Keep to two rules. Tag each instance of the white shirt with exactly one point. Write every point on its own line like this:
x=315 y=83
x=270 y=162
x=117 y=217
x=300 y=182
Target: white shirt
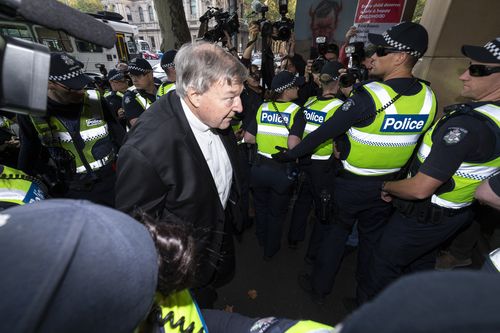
x=214 y=152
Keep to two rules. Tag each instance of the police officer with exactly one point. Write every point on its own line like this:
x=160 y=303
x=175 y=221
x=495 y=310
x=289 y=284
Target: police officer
x=136 y=101
x=320 y=172
x=119 y=86
x=79 y=134
x=270 y=183
x=17 y=188
x=167 y=63
x=383 y=121
x=457 y=153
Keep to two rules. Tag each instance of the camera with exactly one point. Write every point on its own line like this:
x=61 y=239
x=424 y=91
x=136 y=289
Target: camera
x=265 y=26
x=355 y=70
x=284 y=27
x=225 y=22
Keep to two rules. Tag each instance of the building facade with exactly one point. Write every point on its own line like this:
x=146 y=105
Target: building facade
x=142 y=13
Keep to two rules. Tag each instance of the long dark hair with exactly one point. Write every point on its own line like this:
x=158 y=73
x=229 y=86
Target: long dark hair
x=177 y=251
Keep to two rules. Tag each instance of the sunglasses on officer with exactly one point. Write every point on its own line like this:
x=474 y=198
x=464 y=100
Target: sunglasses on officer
x=477 y=70
x=382 y=51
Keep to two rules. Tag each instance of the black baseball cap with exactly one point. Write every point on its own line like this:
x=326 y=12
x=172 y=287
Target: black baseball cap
x=138 y=66
x=167 y=59
x=67 y=71
x=115 y=75
x=489 y=53
x=408 y=37
x=284 y=80
x=74 y=266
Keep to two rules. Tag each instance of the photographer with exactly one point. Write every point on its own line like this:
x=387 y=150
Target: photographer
x=375 y=149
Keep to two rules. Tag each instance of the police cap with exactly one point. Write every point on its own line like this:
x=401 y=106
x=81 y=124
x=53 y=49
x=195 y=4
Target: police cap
x=489 y=53
x=285 y=80
x=139 y=66
x=167 y=59
x=407 y=37
x=67 y=71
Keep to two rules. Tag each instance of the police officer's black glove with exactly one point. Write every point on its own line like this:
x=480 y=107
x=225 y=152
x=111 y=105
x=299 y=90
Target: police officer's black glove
x=283 y=156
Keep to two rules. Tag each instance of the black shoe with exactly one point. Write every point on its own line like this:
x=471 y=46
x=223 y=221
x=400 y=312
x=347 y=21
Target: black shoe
x=293 y=244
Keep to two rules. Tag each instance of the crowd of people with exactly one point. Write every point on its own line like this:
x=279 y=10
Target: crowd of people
x=361 y=147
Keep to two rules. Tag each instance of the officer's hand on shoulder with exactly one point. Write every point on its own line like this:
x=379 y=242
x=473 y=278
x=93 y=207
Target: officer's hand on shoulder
x=283 y=156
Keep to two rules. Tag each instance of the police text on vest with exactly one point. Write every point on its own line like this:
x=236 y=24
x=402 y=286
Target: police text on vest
x=403 y=123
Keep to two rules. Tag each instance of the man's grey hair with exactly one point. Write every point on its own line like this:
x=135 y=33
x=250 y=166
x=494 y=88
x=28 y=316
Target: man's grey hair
x=201 y=64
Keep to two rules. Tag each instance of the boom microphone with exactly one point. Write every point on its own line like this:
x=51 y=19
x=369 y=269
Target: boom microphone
x=55 y=15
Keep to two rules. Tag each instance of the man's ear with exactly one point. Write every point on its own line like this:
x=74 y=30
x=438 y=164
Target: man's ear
x=194 y=97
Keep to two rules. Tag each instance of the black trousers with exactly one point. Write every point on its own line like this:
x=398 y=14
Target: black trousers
x=359 y=200
x=271 y=190
x=316 y=192
x=408 y=245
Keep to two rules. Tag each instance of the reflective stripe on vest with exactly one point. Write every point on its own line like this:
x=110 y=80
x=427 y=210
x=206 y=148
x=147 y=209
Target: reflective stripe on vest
x=320 y=111
x=165 y=88
x=308 y=326
x=271 y=130
x=468 y=176
x=386 y=144
x=181 y=308
x=495 y=258
x=18 y=190
x=143 y=102
x=93 y=129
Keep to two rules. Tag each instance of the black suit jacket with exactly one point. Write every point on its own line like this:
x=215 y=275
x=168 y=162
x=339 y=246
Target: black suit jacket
x=161 y=169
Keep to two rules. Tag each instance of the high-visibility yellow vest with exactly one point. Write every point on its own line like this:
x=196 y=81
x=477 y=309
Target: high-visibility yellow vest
x=316 y=112
x=468 y=175
x=385 y=145
x=93 y=131
x=179 y=313
x=18 y=188
x=165 y=88
x=271 y=128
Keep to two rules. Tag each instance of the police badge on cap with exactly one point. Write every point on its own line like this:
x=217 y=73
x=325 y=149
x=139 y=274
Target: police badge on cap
x=67 y=71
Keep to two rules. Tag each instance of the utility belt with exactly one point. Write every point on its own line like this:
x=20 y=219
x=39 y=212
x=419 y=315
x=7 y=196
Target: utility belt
x=424 y=211
x=343 y=173
x=87 y=181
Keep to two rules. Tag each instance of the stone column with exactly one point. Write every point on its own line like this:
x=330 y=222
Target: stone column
x=452 y=23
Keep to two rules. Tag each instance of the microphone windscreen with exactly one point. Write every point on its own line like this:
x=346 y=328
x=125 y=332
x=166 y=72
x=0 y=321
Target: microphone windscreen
x=55 y=15
x=256 y=6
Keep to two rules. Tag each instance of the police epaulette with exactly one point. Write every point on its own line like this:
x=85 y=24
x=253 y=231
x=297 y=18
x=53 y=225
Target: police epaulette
x=461 y=107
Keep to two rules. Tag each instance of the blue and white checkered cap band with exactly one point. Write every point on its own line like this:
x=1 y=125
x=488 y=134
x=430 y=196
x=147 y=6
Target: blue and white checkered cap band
x=117 y=76
x=493 y=49
x=165 y=66
x=66 y=76
x=400 y=46
x=139 y=69
x=286 y=86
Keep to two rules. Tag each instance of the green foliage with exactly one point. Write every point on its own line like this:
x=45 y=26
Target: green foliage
x=419 y=9
x=273 y=13
x=87 y=6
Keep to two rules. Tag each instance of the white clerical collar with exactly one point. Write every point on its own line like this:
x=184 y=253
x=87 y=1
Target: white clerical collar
x=193 y=121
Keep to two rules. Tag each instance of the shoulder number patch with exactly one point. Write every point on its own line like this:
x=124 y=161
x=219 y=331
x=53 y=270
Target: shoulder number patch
x=454 y=135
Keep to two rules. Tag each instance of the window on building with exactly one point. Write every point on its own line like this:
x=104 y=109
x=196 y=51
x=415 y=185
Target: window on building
x=151 y=14
x=129 y=14
x=141 y=14
x=192 y=7
x=153 y=44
